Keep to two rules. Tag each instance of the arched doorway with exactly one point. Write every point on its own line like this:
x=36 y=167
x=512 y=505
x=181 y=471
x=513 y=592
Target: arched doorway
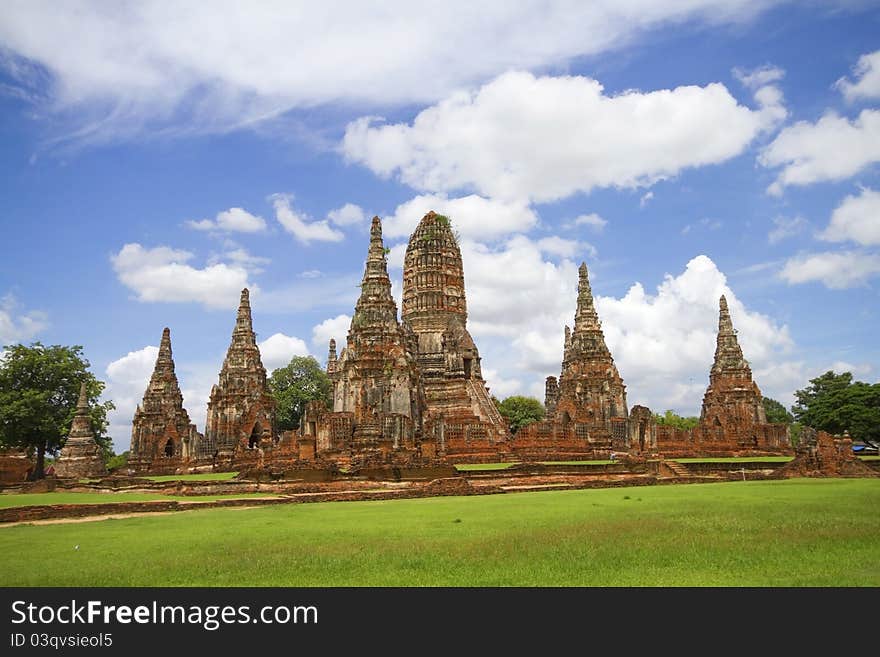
x=169 y=448
x=256 y=434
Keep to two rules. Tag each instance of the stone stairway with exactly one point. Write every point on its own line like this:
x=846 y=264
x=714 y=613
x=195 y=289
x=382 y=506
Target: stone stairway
x=679 y=469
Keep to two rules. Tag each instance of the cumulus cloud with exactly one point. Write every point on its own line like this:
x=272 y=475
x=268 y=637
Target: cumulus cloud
x=333 y=327
x=161 y=274
x=127 y=379
x=277 y=350
x=867 y=82
x=348 y=215
x=564 y=248
x=545 y=138
x=19 y=326
x=233 y=220
x=831 y=149
x=592 y=221
x=760 y=77
x=663 y=342
x=785 y=227
x=472 y=216
x=196 y=67
x=299 y=225
x=835 y=270
x=856 y=219
x=646 y=197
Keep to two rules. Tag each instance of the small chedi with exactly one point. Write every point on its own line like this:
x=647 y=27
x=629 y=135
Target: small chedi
x=241 y=410
x=162 y=436
x=461 y=418
x=81 y=454
x=586 y=412
x=410 y=391
x=378 y=399
x=732 y=420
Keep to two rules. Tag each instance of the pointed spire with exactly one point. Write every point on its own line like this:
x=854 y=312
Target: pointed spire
x=331 y=357
x=243 y=322
x=376 y=306
x=586 y=318
x=82 y=423
x=728 y=353
x=82 y=405
x=165 y=348
x=725 y=324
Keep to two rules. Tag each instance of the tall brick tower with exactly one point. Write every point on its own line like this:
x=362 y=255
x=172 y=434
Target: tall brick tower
x=732 y=399
x=376 y=377
x=435 y=309
x=590 y=389
x=241 y=410
x=161 y=428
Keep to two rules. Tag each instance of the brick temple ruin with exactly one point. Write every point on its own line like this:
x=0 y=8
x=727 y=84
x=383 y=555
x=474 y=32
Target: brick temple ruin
x=81 y=454
x=410 y=390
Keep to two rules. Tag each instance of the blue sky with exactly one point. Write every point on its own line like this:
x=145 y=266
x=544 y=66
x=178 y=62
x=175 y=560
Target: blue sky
x=157 y=158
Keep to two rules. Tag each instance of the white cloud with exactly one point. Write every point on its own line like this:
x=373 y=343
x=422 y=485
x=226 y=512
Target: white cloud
x=867 y=84
x=473 y=216
x=233 y=220
x=545 y=138
x=592 y=220
x=127 y=379
x=759 y=77
x=835 y=270
x=647 y=196
x=664 y=343
x=335 y=328
x=831 y=149
x=857 y=219
x=298 y=224
x=277 y=350
x=785 y=227
x=565 y=248
x=311 y=273
x=196 y=67
x=348 y=215
x=16 y=326
x=161 y=274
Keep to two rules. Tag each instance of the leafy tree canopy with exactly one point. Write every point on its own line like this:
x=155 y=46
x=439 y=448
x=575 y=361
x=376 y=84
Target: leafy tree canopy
x=776 y=412
x=835 y=403
x=672 y=419
x=39 y=390
x=520 y=411
x=295 y=385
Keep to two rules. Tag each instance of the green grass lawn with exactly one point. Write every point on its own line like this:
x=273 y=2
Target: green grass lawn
x=33 y=499
x=798 y=532
x=602 y=462
x=870 y=457
x=470 y=467
x=738 y=459
x=202 y=476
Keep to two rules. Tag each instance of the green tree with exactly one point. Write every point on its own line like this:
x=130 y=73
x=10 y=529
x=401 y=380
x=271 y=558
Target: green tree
x=520 y=411
x=117 y=461
x=295 y=385
x=835 y=403
x=672 y=419
x=776 y=412
x=39 y=390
